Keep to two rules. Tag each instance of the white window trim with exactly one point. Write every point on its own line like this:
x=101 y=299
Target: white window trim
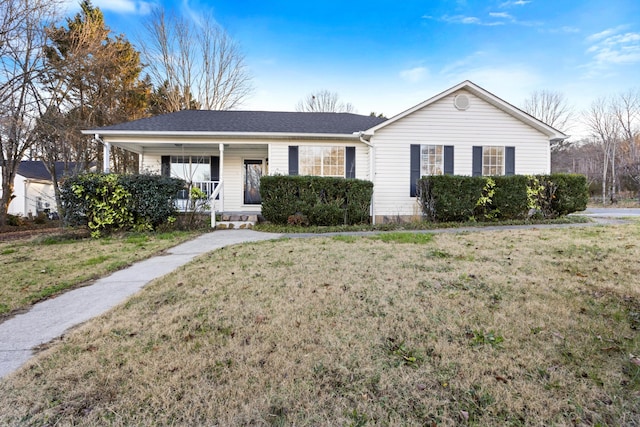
x=301 y=156
x=441 y=164
x=504 y=160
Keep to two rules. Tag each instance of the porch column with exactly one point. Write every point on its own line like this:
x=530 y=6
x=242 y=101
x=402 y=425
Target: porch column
x=221 y=149
x=106 y=153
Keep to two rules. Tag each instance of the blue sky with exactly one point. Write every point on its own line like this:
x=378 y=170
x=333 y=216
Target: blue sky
x=388 y=56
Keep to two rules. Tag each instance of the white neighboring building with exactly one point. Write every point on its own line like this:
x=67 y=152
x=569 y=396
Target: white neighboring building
x=33 y=189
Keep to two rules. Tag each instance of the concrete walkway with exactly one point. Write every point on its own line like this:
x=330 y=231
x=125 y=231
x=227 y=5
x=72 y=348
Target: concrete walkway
x=51 y=318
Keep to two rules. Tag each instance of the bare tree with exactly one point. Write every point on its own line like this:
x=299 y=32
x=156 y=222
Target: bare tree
x=551 y=108
x=323 y=101
x=22 y=38
x=626 y=109
x=605 y=129
x=194 y=60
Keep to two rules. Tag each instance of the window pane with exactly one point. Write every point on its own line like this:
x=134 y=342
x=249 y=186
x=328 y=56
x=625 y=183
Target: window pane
x=431 y=160
x=493 y=160
x=321 y=161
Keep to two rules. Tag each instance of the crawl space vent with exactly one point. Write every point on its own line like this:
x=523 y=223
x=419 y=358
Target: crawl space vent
x=461 y=102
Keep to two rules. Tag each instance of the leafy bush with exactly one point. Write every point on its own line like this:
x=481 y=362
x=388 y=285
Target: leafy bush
x=572 y=193
x=321 y=200
x=110 y=202
x=450 y=197
x=460 y=198
x=510 y=199
x=14 y=220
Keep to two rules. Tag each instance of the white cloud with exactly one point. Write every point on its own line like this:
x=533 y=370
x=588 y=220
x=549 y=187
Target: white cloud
x=462 y=19
x=495 y=18
x=504 y=15
x=606 y=33
x=414 y=75
x=611 y=48
x=515 y=3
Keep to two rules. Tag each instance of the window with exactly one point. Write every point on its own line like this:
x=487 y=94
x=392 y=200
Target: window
x=431 y=160
x=492 y=160
x=428 y=160
x=321 y=161
x=191 y=168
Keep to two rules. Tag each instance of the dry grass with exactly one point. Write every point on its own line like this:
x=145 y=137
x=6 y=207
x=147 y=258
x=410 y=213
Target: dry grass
x=35 y=269
x=521 y=328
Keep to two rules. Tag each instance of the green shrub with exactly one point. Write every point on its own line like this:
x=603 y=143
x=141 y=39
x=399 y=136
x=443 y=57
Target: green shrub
x=110 y=202
x=321 y=200
x=152 y=198
x=510 y=200
x=450 y=197
x=14 y=220
x=572 y=193
x=460 y=198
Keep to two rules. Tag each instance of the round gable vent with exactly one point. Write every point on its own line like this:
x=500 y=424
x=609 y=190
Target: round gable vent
x=461 y=102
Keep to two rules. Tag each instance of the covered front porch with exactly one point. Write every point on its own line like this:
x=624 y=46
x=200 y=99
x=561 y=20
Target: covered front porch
x=221 y=178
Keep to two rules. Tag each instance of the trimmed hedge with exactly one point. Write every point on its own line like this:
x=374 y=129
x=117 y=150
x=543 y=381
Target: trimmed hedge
x=315 y=200
x=111 y=202
x=461 y=198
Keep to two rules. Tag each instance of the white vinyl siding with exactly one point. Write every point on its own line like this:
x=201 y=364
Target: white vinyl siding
x=441 y=123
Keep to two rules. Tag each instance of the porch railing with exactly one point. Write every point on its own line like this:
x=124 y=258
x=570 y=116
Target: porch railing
x=184 y=201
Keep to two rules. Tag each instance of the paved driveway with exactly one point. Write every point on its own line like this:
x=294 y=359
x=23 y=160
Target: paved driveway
x=611 y=212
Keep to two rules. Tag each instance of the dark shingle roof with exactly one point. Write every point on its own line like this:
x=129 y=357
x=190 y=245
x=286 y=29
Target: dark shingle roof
x=250 y=122
x=36 y=170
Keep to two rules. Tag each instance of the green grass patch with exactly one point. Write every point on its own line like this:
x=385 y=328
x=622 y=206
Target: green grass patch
x=62 y=261
x=399 y=237
x=417 y=225
x=96 y=260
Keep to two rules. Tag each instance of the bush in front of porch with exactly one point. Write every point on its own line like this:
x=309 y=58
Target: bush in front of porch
x=112 y=202
x=321 y=200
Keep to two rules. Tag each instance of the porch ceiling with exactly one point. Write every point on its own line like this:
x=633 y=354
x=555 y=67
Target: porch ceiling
x=182 y=147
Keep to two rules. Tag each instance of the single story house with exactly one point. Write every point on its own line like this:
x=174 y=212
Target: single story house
x=464 y=130
x=33 y=188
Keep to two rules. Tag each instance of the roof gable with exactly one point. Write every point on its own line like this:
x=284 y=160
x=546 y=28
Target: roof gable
x=209 y=121
x=485 y=95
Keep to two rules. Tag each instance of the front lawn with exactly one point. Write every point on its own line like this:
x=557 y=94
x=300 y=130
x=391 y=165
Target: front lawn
x=516 y=327
x=38 y=268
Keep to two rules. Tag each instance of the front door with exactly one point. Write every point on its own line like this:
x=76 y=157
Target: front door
x=252 y=174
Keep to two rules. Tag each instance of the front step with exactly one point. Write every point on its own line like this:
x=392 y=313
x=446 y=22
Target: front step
x=236 y=221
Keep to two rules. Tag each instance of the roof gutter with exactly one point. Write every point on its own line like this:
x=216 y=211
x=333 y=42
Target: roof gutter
x=220 y=135
x=372 y=174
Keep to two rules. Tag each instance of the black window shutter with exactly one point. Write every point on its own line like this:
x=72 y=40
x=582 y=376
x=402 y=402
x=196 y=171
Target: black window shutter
x=509 y=160
x=350 y=162
x=476 y=168
x=165 y=165
x=215 y=168
x=415 y=169
x=293 y=160
x=215 y=171
x=448 y=159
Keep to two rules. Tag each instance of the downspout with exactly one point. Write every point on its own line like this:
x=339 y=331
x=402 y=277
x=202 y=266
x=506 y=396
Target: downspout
x=106 y=153
x=372 y=173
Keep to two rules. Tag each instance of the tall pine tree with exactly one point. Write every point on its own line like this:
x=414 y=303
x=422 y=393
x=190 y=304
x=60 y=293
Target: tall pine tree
x=94 y=80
